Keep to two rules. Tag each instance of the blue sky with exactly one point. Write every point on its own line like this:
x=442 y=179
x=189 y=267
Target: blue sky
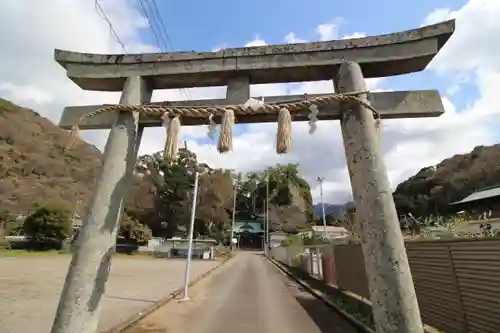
x=203 y=25
x=408 y=145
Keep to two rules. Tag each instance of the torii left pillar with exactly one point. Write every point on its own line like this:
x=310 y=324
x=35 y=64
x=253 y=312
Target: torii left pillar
x=79 y=305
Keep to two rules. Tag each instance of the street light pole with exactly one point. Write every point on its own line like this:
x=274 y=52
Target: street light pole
x=234 y=215
x=190 y=237
x=320 y=180
x=266 y=233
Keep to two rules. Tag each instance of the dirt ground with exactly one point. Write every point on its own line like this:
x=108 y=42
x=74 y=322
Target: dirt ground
x=30 y=287
x=247 y=295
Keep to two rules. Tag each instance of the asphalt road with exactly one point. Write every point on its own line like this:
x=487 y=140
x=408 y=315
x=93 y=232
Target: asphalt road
x=247 y=295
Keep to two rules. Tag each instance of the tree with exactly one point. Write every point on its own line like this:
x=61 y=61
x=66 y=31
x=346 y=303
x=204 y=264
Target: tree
x=290 y=200
x=4 y=217
x=215 y=193
x=164 y=202
x=48 y=226
x=132 y=231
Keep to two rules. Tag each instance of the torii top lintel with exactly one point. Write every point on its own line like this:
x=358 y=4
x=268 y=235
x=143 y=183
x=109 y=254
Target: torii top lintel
x=379 y=56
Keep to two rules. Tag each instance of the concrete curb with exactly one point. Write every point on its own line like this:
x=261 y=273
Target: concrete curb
x=360 y=326
x=141 y=315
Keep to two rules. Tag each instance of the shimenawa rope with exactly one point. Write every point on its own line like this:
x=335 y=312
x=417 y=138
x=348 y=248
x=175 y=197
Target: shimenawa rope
x=284 y=111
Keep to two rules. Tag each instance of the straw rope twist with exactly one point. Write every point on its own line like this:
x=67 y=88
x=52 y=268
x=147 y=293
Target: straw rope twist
x=158 y=111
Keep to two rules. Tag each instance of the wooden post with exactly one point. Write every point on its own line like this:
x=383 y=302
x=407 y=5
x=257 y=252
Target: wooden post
x=79 y=305
x=395 y=307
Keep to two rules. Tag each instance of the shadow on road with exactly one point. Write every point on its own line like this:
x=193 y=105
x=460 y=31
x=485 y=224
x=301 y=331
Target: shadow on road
x=130 y=299
x=326 y=319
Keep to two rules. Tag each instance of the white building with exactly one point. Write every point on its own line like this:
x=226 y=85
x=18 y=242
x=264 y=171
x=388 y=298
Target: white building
x=332 y=232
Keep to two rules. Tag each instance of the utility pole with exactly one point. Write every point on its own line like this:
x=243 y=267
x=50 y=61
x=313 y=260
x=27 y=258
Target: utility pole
x=320 y=181
x=266 y=233
x=234 y=215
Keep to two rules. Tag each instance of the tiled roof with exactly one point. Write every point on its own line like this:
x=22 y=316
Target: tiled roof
x=253 y=227
x=480 y=195
x=329 y=228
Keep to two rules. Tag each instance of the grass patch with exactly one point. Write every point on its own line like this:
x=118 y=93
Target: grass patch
x=6 y=106
x=134 y=255
x=24 y=253
x=21 y=253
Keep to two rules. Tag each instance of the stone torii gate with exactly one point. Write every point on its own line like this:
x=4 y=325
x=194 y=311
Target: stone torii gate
x=346 y=62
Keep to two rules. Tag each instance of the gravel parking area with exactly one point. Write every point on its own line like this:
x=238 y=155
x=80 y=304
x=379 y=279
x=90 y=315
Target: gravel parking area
x=30 y=287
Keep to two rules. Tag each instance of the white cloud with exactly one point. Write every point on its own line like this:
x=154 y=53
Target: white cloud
x=437 y=15
x=327 y=31
x=292 y=38
x=354 y=35
x=256 y=42
x=32 y=78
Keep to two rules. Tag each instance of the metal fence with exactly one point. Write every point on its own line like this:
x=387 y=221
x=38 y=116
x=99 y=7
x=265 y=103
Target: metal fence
x=457 y=281
x=316 y=260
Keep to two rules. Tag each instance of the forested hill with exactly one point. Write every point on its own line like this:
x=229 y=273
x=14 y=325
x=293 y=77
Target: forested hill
x=36 y=169
x=433 y=188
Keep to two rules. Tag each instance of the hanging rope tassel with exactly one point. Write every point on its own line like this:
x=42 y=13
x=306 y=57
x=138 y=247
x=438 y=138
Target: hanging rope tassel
x=378 y=130
x=73 y=134
x=313 y=118
x=212 y=127
x=284 y=133
x=226 y=132
x=173 y=133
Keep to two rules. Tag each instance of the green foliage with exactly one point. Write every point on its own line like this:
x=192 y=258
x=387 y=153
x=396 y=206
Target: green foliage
x=6 y=106
x=48 y=226
x=435 y=227
x=304 y=239
x=283 y=179
x=173 y=183
x=133 y=231
x=173 y=186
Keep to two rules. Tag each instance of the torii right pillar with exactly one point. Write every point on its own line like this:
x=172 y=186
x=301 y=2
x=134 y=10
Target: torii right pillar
x=395 y=306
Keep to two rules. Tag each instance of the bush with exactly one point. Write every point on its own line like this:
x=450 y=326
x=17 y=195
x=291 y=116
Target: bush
x=133 y=232
x=48 y=227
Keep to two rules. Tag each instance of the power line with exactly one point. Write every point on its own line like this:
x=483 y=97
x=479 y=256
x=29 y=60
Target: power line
x=167 y=38
x=112 y=30
x=152 y=30
x=156 y=22
x=162 y=32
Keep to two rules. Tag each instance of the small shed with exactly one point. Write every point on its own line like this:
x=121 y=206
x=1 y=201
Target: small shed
x=178 y=248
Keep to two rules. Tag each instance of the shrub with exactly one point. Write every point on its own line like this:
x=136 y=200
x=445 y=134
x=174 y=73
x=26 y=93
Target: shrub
x=48 y=226
x=133 y=232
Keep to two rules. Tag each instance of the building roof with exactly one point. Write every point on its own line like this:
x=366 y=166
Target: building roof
x=329 y=228
x=480 y=195
x=253 y=227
